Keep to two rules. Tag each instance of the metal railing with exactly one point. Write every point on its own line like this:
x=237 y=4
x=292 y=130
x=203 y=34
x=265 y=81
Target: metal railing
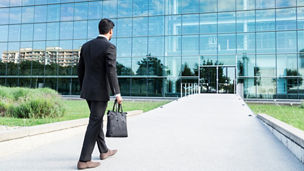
x=190 y=88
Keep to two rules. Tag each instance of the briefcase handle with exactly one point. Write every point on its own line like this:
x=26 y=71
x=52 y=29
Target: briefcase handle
x=117 y=106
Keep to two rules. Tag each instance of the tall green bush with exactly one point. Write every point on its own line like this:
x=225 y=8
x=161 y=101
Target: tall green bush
x=30 y=103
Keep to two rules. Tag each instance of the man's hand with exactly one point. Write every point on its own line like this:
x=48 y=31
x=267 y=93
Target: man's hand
x=119 y=99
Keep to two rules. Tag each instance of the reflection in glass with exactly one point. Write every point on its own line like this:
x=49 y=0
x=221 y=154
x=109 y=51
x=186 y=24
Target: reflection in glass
x=39 y=31
x=81 y=11
x=245 y=4
x=95 y=10
x=40 y=13
x=66 y=30
x=38 y=58
x=156 y=46
x=156 y=7
x=123 y=66
x=286 y=42
x=27 y=14
x=190 y=45
x=110 y=9
x=284 y=3
x=265 y=66
x=190 y=6
x=173 y=67
x=226 y=22
x=64 y=85
x=226 y=44
x=208 y=44
x=155 y=86
x=124 y=27
x=265 y=4
x=15 y=2
x=245 y=21
x=14 y=32
x=139 y=46
x=286 y=19
x=4 y=3
x=53 y=12
x=265 y=42
x=190 y=24
x=246 y=65
x=52 y=31
x=173 y=25
x=173 y=7
x=27 y=32
x=15 y=15
x=265 y=20
x=93 y=29
x=173 y=45
x=4 y=33
x=124 y=47
x=287 y=65
x=140 y=26
x=266 y=87
x=226 y=5
x=139 y=87
x=80 y=30
x=246 y=43
x=124 y=7
x=4 y=12
x=140 y=7
x=226 y=59
x=156 y=26
x=208 y=23
x=66 y=12
x=190 y=65
x=208 y=6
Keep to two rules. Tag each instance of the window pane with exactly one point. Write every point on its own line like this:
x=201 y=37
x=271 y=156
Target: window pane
x=173 y=7
x=124 y=27
x=4 y=15
x=300 y=2
x=226 y=44
x=95 y=10
x=4 y=3
x=110 y=9
x=266 y=87
x=140 y=26
x=14 y=32
x=246 y=43
x=300 y=18
x=287 y=65
x=190 y=45
x=39 y=58
x=246 y=65
x=226 y=60
x=156 y=26
x=224 y=5
x=284 y=3
x=15 y=15
x=246 y=21
x=93 y=29
x=27 y=32
x=173 y=46
x=173 y=25
x=286 y=42
x=3 y=48
x=265 y=20
x=265 y=66
x=265 y=42
x=124 y=47
x=124 y=7
x=40 y=13
x=265 y=4
x=208 y=44
x=208 y=23
x=173 y=67
x=52 y=31
x=140 y=7
x=123 y=66
x=301 y=41
x=156 y=7
x=40 y=2
x=27 y=14
x=190 y=24
x=40 y=31
x=245 y=4
x=66 y=30
x=208 y=6
x=3 y=33
x=53 y=12
x=28 y=2
x=15 y=2
x=81 y=11
x=67 y=12
x=286 y=19
x=80 y=30
x=139 y=46
x=226 y=22
x=191 y=6
x=156 y=46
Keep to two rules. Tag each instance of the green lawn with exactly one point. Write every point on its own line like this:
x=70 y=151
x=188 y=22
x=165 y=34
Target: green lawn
x=76 y=109
x=293 y=115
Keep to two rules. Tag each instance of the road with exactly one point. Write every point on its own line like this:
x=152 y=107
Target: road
x=198 y=132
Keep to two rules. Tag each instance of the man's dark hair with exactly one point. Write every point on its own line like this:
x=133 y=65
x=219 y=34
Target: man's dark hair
x=105 y=25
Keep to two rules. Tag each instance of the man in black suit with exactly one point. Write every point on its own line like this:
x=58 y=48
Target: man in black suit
x=97 y=76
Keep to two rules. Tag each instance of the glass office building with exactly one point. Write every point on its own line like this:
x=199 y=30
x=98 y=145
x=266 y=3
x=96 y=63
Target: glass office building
x=256 y=46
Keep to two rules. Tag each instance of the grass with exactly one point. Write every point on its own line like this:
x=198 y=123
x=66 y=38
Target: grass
x=292 y=115
x=76 y=109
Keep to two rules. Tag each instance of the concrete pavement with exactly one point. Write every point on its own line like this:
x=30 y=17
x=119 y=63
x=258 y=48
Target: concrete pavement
x=198 y=132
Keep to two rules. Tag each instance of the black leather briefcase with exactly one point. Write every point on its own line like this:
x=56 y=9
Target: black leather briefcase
x=117 y=122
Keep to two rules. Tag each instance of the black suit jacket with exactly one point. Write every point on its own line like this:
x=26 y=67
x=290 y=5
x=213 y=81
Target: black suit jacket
x=97 y=70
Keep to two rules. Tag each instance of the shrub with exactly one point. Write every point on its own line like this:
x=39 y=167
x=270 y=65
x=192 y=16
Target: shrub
x=302 y=105
x=31 y=103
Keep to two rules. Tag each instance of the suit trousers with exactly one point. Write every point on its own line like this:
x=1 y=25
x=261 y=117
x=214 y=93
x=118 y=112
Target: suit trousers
x=94 y=131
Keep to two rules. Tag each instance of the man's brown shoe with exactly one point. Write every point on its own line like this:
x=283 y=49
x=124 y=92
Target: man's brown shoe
x=107 y=154
x=87 y=165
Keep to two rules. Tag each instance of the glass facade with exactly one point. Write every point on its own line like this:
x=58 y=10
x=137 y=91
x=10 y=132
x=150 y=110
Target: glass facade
x=255 y=44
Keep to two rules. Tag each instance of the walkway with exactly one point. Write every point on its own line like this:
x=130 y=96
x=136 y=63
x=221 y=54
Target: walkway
x=198 y=132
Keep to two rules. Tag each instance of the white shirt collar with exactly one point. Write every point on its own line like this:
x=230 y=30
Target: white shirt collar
x=101 y=35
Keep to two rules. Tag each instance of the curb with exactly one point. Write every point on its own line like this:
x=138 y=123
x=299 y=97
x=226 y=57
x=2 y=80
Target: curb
x=291 y=137
x=50 y=127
